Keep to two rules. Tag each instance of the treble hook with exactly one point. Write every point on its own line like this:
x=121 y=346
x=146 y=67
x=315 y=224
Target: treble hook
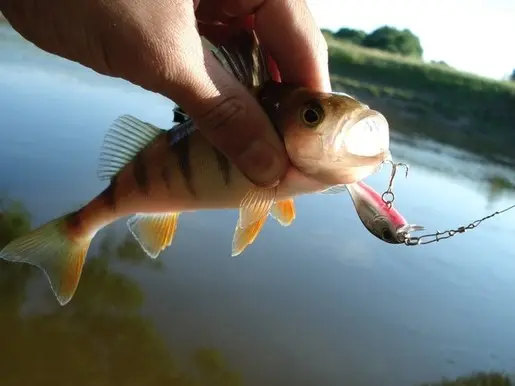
x=389 y=192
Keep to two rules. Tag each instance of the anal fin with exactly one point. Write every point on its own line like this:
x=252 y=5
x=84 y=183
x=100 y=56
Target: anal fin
x=284 y=211
x=243 y=237
x=154 y=232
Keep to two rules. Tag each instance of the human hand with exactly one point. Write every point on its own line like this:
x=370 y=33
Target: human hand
x=155 y=44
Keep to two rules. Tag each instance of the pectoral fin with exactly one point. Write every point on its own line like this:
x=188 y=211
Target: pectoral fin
x=284 y=211
x=254 y=210
x=243 y=237
x=255 y=205
x=154 y=232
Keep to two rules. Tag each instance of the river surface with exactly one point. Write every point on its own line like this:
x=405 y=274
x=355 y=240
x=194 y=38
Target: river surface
x=319 y=303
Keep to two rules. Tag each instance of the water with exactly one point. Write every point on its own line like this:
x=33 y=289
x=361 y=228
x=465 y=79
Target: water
x=319 y=303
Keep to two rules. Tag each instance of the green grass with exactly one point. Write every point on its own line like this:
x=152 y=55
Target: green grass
x=458 y=108
x=409 y=72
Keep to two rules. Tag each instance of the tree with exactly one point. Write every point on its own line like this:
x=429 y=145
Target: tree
x=403 y=42
x=512 y=77
x=355 y=36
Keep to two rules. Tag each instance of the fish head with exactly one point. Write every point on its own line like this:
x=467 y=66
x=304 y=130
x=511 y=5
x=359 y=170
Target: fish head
x=381 y=220
x=330 y=137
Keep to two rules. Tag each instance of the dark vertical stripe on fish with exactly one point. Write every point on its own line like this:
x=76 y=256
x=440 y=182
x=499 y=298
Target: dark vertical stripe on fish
x=109 y=193
x=165 y=173
x=139 y=172
x=182 y=150
x=223 y=165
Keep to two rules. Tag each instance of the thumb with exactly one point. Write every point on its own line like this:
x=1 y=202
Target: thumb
x=229 y=116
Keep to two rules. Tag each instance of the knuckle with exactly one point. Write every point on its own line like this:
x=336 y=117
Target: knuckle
x=226 y=124
x=223 y=116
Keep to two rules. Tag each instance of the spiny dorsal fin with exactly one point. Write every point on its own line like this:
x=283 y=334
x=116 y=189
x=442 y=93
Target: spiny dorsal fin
x=126 y=137
x=243 y=57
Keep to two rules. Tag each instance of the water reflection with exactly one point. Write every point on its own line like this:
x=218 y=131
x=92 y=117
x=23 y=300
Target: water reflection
x=498 y=187
x=99 y=338
x=478 y=379
x=319 y=303
x=496 y=180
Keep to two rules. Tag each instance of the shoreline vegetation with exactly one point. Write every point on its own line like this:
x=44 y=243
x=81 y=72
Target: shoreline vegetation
x=430 y=100
x=421 y=99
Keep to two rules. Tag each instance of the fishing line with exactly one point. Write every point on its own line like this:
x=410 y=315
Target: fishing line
x=388 y=197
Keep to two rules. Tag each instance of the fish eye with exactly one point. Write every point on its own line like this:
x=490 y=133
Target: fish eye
x=312 y=114
x=387 y=235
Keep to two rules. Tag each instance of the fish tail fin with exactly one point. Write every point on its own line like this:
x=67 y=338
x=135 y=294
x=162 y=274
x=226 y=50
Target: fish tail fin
x=59 y=249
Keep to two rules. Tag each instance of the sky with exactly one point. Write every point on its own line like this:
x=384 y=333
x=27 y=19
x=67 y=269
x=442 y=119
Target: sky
x=477 y=36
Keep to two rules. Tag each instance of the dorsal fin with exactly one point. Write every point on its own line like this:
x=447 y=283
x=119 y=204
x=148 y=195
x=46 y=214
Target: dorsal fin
x=243 y=57
x=126 y=137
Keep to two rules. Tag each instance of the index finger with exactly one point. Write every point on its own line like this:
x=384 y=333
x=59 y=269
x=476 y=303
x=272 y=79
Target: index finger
x=290 y=34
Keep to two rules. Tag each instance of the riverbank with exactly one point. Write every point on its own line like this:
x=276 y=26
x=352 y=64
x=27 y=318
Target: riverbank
x=430 y=100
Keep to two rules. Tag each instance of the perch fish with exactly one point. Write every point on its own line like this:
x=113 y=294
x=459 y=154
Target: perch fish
x=156 y=174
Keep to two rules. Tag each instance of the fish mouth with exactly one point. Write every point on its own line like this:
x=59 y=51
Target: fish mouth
x=366 y=134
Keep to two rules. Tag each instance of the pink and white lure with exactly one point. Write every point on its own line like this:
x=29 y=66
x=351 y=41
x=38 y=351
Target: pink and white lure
x=379 y=218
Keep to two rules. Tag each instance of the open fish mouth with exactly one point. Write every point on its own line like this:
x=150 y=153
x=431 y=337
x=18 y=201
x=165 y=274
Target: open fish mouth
x=364 y=135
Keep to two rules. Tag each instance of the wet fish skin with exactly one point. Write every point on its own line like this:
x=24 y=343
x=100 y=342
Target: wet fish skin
x=155 y=175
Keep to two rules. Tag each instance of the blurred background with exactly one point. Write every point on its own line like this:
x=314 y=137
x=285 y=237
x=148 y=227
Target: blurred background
x=319 y=303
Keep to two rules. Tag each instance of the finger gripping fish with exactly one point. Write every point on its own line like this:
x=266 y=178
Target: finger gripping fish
x=155 y=174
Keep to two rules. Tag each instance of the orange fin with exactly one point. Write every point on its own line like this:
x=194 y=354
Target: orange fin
x=284 y=211
x=255 y=205
x=50 y=249
x=154 y=232
x=243 y=237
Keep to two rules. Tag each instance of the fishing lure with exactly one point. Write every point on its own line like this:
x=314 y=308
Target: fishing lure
x=402 y=234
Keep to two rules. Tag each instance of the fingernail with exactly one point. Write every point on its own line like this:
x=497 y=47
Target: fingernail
x=261 y=164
